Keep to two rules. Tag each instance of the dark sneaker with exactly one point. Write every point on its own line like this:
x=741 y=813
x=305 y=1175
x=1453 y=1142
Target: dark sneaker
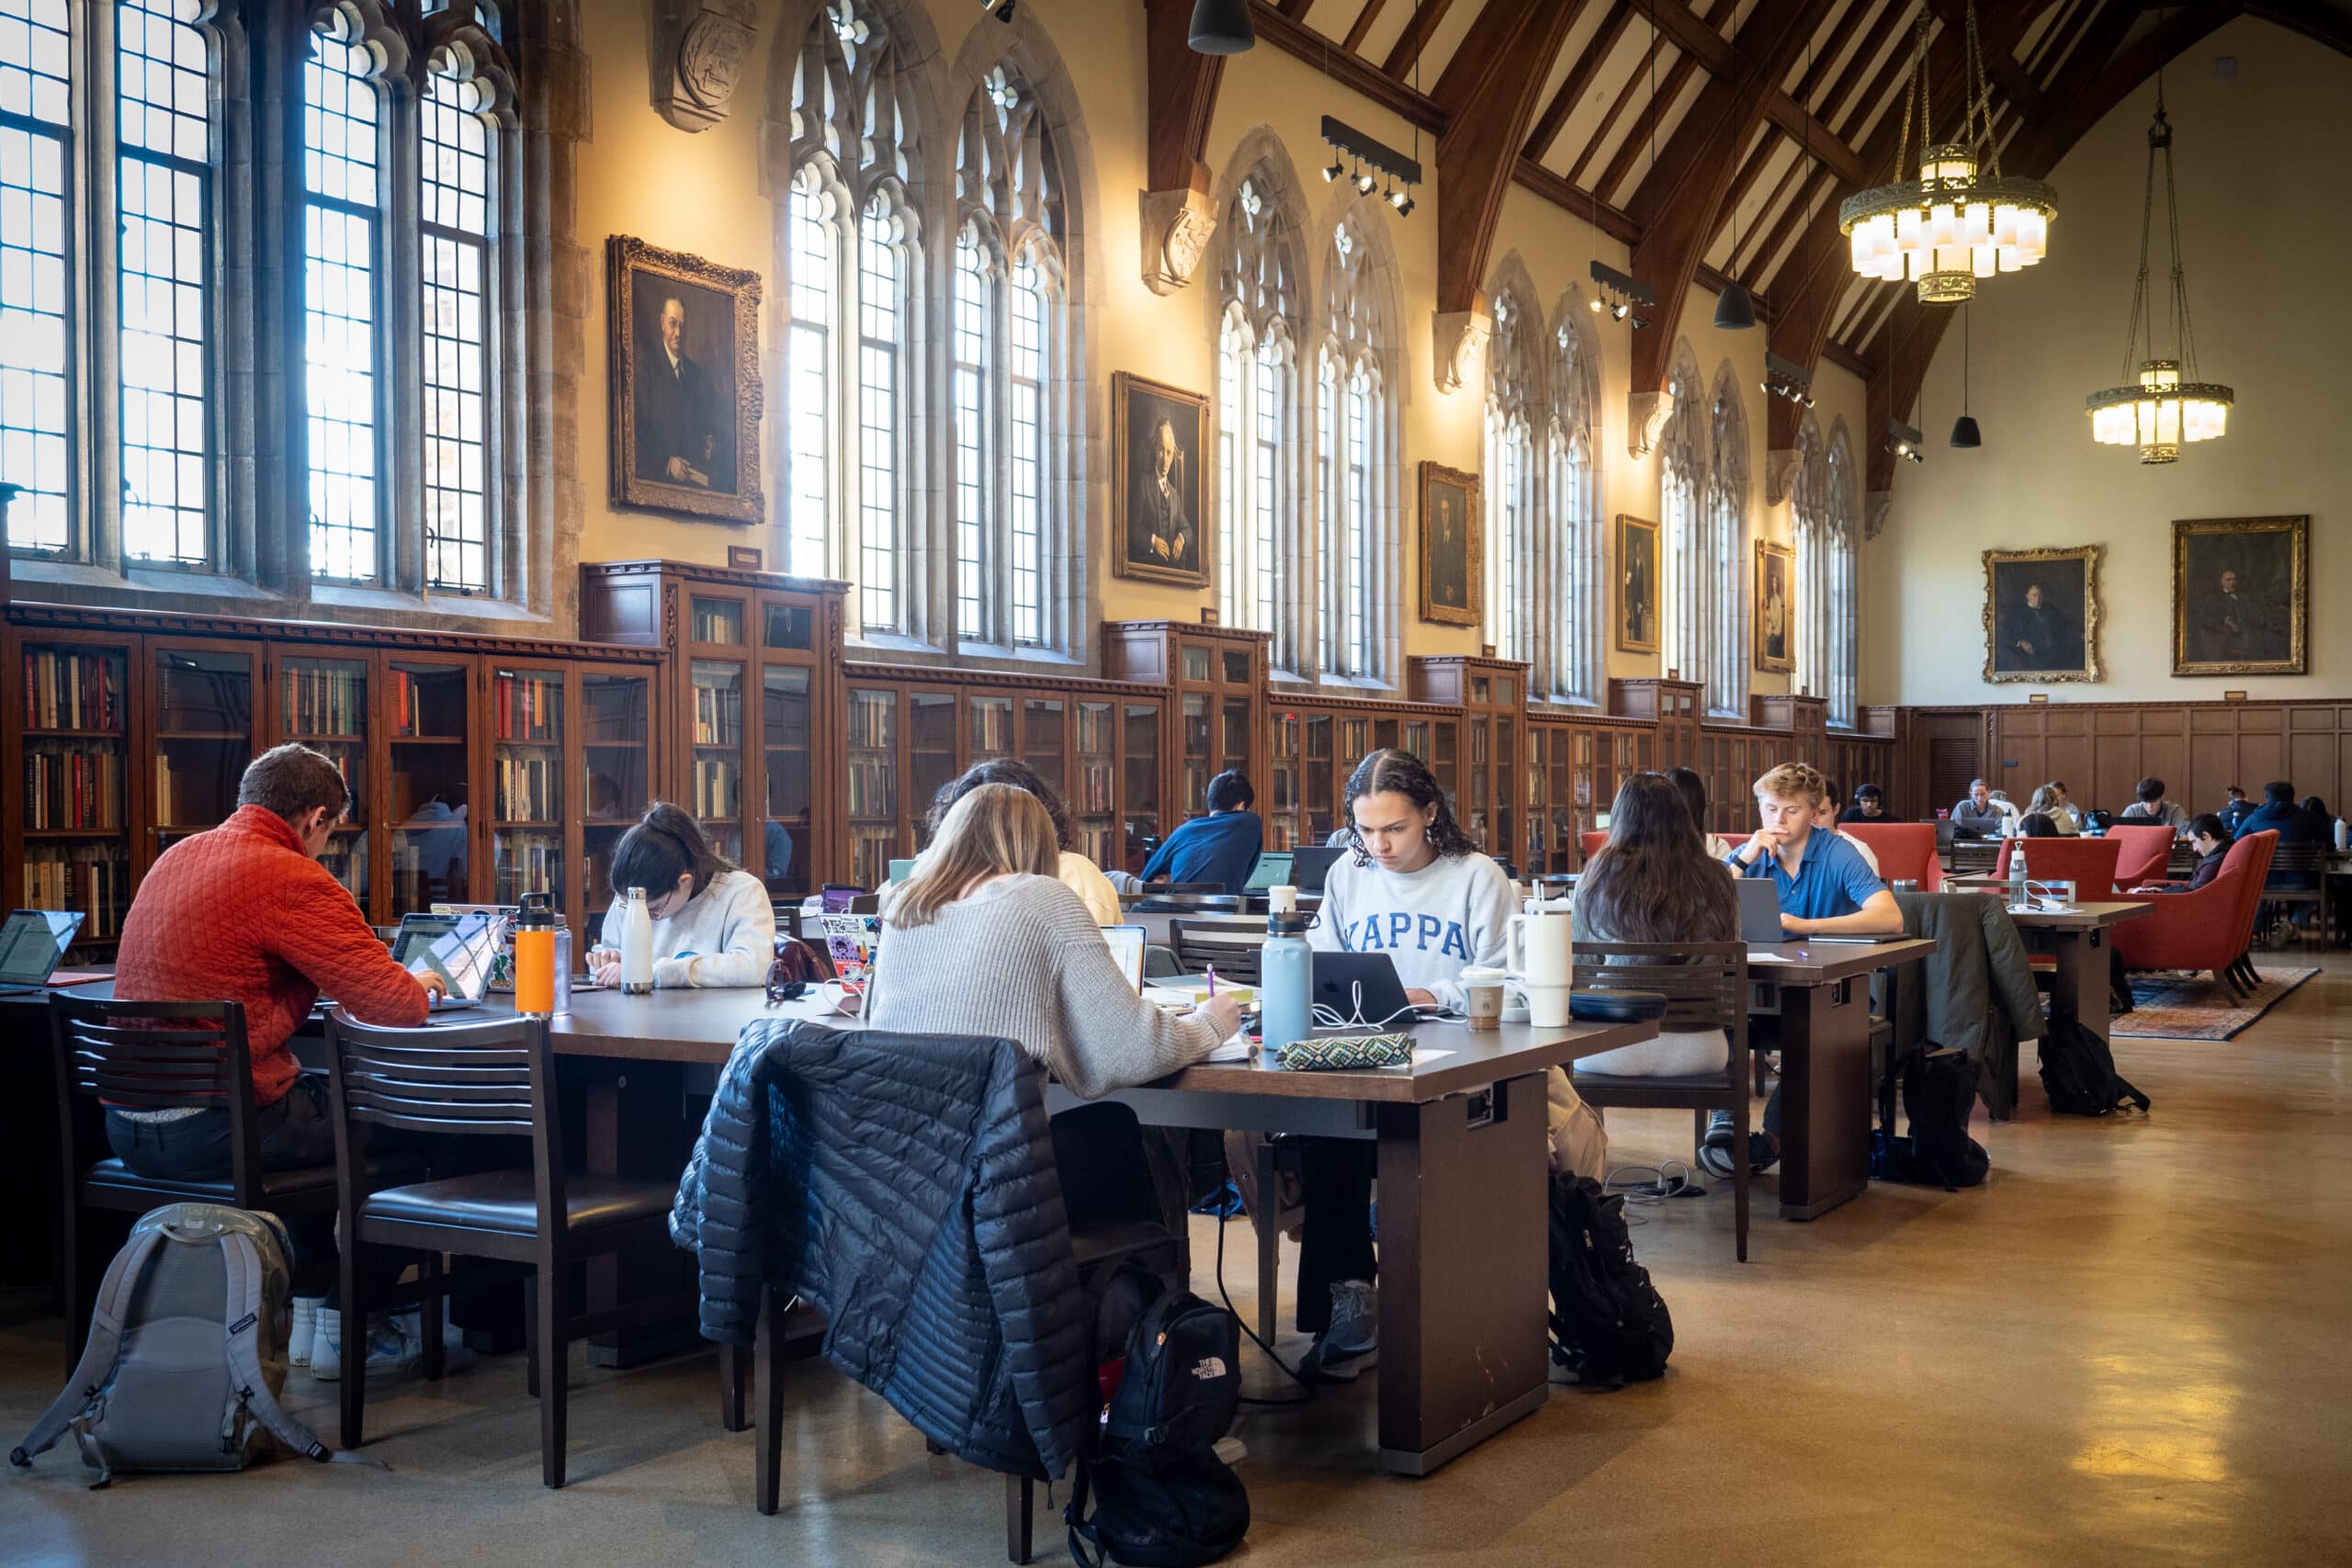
x=1352 y=1342
x=1714 y=1149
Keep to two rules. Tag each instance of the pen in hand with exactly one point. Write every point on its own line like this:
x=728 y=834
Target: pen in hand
x=1211 y=968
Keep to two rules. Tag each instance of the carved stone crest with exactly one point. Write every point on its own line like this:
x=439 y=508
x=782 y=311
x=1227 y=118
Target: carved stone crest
x=702 y=47
x=1874 y=509
x=1177 y=225
x=1459 y=357
x=1647 y=414
x=1780 y=467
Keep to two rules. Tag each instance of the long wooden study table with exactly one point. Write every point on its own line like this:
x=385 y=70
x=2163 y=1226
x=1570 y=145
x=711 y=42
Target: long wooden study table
x=1462 y=1157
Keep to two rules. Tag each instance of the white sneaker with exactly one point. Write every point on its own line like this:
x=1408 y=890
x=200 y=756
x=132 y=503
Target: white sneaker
x=389 y=1349
x=302 y=1329
x=1352 y=1342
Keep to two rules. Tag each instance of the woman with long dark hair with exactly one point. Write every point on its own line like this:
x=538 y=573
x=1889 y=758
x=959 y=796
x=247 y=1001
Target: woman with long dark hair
x=1654 y=881
x=712 y=922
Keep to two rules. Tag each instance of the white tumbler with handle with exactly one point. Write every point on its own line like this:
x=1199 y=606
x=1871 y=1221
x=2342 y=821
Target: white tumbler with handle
x=1541 y=956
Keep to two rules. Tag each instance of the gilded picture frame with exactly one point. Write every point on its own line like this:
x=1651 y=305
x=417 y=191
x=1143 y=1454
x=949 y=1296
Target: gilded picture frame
x=1452 y=572
x=2042 y=615
x=1635 y=600
x=2241 y=595
x=1161 y=521
x=686 y=393
x=1775 y=608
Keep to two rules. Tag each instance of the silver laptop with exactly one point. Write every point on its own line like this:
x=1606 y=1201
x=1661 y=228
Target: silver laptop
x=460 y=948
x=31 y=942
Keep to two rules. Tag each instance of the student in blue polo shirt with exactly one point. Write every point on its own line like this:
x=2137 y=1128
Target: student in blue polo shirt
x=1220 y=848
x=1826 y=889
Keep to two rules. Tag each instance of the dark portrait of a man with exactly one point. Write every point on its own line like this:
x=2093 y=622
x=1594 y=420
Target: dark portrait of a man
x=2237 y=622
x=1449 y=558
x=1159 y=523
x=2036 y=634
x=684 y=415
x=1636 y=585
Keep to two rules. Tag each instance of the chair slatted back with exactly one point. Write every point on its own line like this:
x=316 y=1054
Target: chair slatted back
x=2296 y=868
x=1236 y=951
x=156 y=1056
x=1704 y=983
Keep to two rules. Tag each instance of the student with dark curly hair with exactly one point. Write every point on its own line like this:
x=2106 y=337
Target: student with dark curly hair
x=1418 y=889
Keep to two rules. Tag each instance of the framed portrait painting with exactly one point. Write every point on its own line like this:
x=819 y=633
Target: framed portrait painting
x=1775 y=612
x=1159 y=482
x=2240 y=601
x=2042 y=615
x=1451 y=578
x=686 y=394
x=1636 y=585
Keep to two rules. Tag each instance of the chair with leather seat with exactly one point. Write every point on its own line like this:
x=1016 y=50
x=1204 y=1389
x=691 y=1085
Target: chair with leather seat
x=155 y=1057
x=1906 y=851
x=1706 y=985
x=492 y=1078
x=2146 y=852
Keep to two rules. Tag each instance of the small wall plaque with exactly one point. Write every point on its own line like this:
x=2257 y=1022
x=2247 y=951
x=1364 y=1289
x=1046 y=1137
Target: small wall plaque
x=746 y=557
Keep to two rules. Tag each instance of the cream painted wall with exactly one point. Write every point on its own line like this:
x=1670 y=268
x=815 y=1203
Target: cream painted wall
x=2265 y=264
x=704 y=193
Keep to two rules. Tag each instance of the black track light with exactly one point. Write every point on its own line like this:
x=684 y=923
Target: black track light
x=1334 y=171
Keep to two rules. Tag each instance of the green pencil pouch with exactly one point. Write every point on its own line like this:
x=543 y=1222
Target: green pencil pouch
x=1332 y=1052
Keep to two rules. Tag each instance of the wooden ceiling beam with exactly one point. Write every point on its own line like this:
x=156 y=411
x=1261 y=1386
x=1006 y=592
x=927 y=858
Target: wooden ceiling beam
x=1790 y=178
x=1609 y=221
x=1840 y=34
x=1579 y=77
x=1179 y=99
x=1362 y=26
x=1294 y=9
x=2000 y=65
x=1693 y=33
x=1502 y=68
x=1677 y=75
x=1895 y=19
x=1634 y=86
x=2322 y=24
x=1350 y=70
x=1427 y=15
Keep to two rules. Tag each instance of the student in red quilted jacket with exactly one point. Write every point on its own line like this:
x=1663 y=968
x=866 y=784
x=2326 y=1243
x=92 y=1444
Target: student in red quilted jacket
x=247 y=913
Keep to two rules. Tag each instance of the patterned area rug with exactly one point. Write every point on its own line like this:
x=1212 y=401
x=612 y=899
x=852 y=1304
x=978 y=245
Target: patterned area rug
x=2197 y=1007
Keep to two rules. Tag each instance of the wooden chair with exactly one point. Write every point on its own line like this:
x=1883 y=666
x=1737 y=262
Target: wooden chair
x=2297 y=877
x=1237 y=950
x=491 y=1078
x=1705 y=984
x=155 y=1057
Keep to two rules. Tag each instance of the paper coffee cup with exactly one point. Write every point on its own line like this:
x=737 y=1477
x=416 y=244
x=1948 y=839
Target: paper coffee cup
x=1482 y=990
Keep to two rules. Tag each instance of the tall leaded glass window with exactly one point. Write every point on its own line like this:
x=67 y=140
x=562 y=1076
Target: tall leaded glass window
x=968 y=385
x=1026 y=417
x=340 y=156
x=36 y=253
x=1576 y=609
x=1516 y=566
x=810 y=237
x=163 y=129
x=455 y=209
x=1355 y=528
x=1353 y=438
x=880 y=352
x=1258 y=535
x=1683 y=629
x=1725 y=608
x=1842 y=525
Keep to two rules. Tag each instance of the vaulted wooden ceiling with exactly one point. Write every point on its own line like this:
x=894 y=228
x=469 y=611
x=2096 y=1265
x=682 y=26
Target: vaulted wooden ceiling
x=1717 y=137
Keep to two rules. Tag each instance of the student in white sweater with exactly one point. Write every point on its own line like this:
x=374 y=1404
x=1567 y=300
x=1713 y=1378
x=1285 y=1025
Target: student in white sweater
x=713 y=925
x=1073 y=870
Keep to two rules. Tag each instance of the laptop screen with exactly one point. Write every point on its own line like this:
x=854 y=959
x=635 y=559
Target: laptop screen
x=1273 y=870
x=1126 y=946
x=32 y=941
x=459 y=948
x=1308 y=867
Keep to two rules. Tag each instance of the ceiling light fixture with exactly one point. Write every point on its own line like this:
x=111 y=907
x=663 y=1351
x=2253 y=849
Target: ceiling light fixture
x=1953 y=221
x=1620 y=294
x=2165 y=405
x=1964 y=434
x=1787 y=380
x=1221 y=27
x=1903 y=440
x=1735 y=308
x=1334 y=171
x=1374 y=161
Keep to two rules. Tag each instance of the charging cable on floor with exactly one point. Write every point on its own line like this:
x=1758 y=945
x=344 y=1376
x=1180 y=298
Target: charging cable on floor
x=1226 y=1297
x=1645 y=1184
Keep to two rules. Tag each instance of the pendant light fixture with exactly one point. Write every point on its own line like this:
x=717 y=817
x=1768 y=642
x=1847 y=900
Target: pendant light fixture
x=1222 y=27
x=2165 y=405
x=1953 y=221
x=1735 y=308
x=1964 y=433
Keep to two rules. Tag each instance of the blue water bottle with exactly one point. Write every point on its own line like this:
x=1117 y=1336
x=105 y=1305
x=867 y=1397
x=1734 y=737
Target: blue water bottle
x=1285 y=973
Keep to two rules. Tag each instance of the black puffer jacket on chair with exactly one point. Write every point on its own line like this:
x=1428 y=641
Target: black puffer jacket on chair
x=903 y=1185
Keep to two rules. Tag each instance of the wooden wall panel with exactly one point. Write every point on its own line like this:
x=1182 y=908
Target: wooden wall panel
x=2310 y=767
x=2102 y=750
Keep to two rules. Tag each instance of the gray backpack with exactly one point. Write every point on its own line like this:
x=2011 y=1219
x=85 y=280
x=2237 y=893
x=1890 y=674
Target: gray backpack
x=186 y=1352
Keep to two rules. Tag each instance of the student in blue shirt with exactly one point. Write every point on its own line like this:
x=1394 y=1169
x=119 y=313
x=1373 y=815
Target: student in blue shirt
x=1826 y=889
x=1220 y=848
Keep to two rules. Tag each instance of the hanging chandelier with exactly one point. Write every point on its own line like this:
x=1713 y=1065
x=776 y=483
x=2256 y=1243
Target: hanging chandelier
x=1955 y=221
x=2165 y=405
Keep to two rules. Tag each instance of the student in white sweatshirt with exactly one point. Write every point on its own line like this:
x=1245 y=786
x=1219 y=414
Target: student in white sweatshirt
x=713 y=925
x=1418 y=889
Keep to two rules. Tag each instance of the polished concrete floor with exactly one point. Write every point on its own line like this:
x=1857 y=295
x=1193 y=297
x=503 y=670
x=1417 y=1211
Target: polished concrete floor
x=2130 y=1347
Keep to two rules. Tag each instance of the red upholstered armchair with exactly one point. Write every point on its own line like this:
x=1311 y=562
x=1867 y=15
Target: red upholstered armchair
x=2089 y=864
x=2209 y=928
x=1590 y=844
x=2145 y=854
x=1905 y=850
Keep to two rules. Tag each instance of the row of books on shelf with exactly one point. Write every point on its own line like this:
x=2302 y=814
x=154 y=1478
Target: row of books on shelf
x=528 y=863
x=528 y=788
x=528 y=708
x=345 y=859
x=406 y=700
x=322 y=701
x=64 y=690
x=992 y=727
x=873 y=719
x=1093 y=793
x=718 y=716
x=718 y=623
x=719 y=787
x=74 y=786
x=93 y=878
x=873 y=786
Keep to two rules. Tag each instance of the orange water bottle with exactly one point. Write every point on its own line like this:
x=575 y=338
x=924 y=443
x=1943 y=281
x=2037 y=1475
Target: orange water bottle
x=535 y=955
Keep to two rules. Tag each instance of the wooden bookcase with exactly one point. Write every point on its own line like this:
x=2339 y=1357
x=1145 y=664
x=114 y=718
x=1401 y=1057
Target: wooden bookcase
x=1672 y=709
x=1318 y=736
x=136 y=728
x=1583 y=756
x=1485 y=779
x=1216 y=677
x=751 y=677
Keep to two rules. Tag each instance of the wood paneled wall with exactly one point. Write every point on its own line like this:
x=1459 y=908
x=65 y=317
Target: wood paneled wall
x=2104 y=749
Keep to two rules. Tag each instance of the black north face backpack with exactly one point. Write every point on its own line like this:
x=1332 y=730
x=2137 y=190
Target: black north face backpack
x=1161 y=1497
x=1608 y=1324
x=1938 y=1093
x=2078 y=1073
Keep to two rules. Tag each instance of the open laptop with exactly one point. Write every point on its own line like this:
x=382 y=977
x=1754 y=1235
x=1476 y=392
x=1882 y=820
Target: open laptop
x=1759 y=911
x=460 y=948
x=1127 y=946
x=32 y=941
x=1362 y=986
x=1273 y=870
x=1309 y=865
